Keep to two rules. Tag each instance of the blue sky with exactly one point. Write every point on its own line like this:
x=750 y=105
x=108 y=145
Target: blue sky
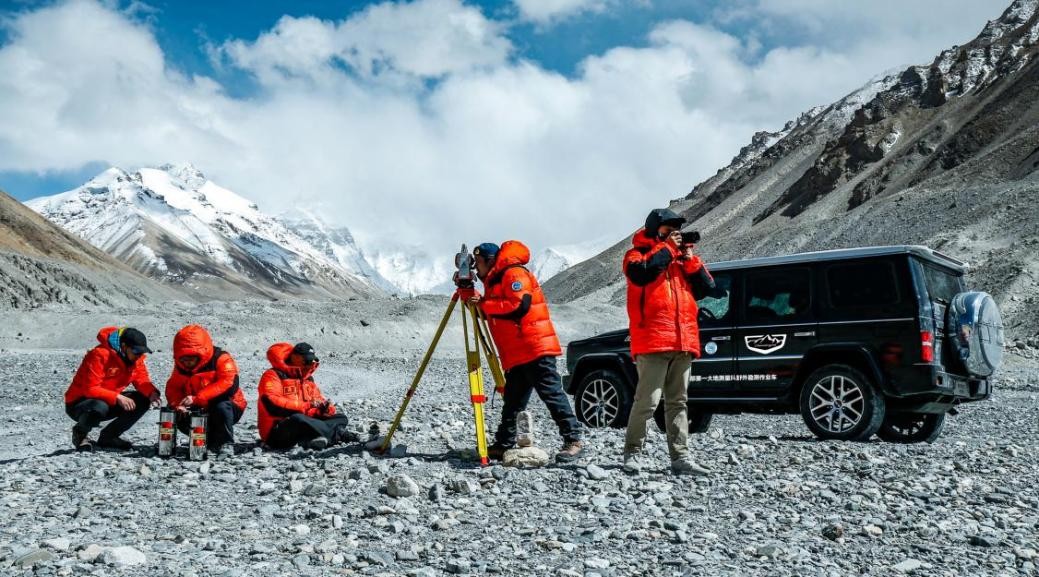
x=600 y=107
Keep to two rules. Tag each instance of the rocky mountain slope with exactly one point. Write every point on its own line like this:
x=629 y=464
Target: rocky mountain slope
x=175 y=225
x=944 y=155
x=42 y=264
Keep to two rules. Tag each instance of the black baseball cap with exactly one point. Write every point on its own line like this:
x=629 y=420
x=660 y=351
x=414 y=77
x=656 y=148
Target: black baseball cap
x=306 y=351
x=134 y=339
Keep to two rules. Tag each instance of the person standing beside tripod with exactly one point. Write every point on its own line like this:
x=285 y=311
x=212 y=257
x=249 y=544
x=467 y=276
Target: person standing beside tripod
x=665 y=336
x=522 y=330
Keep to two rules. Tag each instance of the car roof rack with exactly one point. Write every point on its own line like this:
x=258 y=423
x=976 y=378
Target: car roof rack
x=923 y=252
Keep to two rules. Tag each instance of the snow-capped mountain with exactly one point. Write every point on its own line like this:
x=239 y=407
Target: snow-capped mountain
x=174 y=224
x=554 y=260
x=412 y=270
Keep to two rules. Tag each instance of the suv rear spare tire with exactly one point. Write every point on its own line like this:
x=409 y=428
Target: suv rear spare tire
x=976 y=332
x=840 y=403
x=912 y=428
x=603 y=399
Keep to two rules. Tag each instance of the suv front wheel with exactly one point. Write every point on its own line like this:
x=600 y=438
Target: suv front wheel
x=603 y=399
x=840 y=403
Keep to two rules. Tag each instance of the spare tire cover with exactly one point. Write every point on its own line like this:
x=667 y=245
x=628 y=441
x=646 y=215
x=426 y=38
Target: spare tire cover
x=976 y=332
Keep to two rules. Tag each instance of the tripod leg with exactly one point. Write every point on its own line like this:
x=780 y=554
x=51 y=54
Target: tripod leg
x=492 y=357
x=476 y=383
x=418 y=376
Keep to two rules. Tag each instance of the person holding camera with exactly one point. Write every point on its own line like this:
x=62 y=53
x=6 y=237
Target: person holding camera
x=291 y=409
x=518 y=317
x=662 y=315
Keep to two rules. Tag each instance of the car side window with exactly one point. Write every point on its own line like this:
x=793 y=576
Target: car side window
x=715 y=305
x=863 y=286
x=777 y=295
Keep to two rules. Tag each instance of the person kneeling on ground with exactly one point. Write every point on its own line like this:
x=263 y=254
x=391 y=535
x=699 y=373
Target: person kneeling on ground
x=526 y=339
x=96 y=393
x=205 y=378
x=291 y=410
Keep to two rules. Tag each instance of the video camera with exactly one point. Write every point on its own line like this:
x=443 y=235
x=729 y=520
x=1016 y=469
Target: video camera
x=466 y=265
x=691 y=237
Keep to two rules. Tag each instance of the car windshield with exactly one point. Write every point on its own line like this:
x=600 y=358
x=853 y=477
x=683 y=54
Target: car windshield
x=942 y=284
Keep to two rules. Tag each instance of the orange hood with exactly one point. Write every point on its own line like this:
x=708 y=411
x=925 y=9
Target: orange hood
x=512 y=253
x=278 y=355
x=193 y=340
x=640 y=240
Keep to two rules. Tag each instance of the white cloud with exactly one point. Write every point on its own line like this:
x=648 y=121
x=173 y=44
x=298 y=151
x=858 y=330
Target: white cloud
x=545 y=11
x=414 y=122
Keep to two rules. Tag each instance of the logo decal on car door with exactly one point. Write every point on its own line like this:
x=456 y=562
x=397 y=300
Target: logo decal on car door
x=765 y=344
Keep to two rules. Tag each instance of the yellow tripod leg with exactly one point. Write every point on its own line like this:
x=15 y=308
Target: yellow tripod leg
x=489 y=351
x=472 y=356
x=418 y=376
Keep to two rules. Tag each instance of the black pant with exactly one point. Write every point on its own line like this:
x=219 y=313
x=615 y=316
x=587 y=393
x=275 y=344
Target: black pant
x=539 y=375
x=299 y=428
x=222 y=416
x=89 y=413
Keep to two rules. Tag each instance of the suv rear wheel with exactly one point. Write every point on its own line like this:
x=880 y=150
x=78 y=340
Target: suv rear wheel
x=603 y=399
x=911 y=428
x=699 y=420
x=840 y=403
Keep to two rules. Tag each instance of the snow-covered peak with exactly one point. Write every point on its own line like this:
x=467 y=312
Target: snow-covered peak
x=554 y=260
x=150 y=217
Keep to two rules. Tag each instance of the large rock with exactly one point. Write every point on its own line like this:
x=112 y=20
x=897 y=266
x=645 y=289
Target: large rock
x=401 y=486
x=123 y=556
x=525 y=458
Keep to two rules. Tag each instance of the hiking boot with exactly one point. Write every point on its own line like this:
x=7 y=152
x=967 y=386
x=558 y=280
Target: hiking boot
x=224 y=451
x=524 y=429
x=633 y=463
x=497 y=452
x=570 y=452
x=117 y=443
x=80 y=440
x=343 y=434
x=317 y=444
x=683 y=467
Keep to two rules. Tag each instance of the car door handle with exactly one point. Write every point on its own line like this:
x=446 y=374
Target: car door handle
x=721 y=338
x=805 y=334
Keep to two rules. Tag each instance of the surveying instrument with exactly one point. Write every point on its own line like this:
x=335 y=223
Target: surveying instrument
x=473 y=317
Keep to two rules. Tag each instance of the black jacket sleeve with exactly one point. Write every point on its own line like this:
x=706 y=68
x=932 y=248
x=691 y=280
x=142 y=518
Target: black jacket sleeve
x=644 y=271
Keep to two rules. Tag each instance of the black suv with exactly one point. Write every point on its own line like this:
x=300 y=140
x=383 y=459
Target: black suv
x=880 y=340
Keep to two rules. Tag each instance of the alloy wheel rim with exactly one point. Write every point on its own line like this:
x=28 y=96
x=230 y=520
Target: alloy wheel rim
x=837 y=404
x=600 y=403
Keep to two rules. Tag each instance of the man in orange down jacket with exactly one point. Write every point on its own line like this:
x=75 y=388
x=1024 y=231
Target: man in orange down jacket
x=291 y=409
x=205 y=378
x=97 y=391
x=664 y=335
x=517 y=315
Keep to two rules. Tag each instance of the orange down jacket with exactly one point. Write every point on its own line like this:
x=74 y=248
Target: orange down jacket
x=516 y=309
x=662 y=312
x=285 y=390
x=104 y=373
x=214 y=377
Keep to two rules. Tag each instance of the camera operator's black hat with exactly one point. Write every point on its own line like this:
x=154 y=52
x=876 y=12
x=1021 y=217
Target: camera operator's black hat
x=306 y=351
x=661 y=216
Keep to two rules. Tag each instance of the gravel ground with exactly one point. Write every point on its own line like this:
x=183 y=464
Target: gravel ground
x=778 y=503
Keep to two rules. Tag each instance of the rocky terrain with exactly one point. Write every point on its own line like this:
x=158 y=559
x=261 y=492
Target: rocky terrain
x=41 y=263
x=778 y=503
x=942 y=155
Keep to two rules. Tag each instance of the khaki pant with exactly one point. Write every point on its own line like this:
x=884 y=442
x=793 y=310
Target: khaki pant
x=667 y=374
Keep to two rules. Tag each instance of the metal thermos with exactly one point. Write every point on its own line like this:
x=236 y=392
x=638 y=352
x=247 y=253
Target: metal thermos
x=167 y=432
x=197 y=447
